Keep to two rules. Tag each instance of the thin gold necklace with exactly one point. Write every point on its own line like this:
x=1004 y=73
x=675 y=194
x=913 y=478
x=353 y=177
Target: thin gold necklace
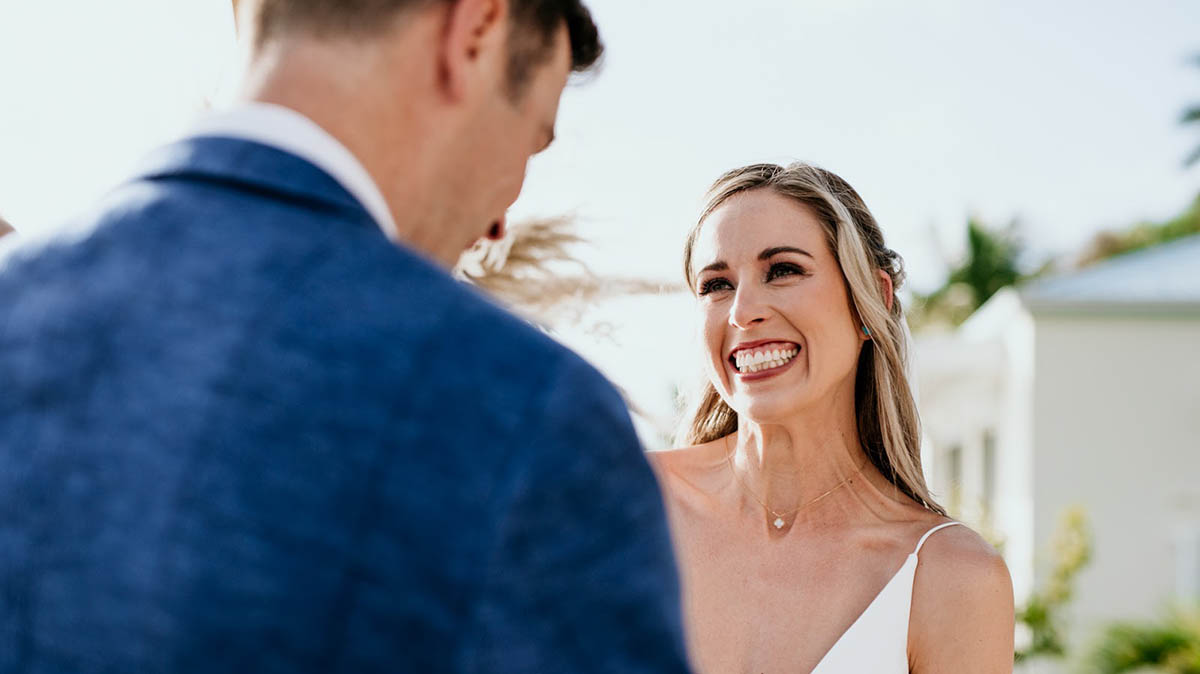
x=779 y=521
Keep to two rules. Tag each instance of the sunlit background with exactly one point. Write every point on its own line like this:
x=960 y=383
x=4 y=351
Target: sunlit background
x=1044 y=124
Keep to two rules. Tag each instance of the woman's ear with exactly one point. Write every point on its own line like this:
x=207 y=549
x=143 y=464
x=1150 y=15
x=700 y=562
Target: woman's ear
x=886 y=287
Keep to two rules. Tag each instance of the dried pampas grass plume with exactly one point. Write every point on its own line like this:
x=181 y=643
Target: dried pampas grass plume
x=534 y=272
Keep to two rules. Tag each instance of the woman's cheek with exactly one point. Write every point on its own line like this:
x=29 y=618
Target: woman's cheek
x=713 y=340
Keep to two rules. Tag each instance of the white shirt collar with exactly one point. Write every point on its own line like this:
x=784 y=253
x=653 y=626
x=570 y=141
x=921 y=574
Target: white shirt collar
x=292 y=132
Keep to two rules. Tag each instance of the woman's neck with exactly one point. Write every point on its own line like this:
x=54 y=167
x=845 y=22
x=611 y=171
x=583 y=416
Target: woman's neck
x=786 y=466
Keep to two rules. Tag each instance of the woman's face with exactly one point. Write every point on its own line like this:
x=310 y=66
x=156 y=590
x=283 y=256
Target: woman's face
x=778 y=329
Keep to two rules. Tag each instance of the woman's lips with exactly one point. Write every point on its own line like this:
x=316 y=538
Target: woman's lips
x=761 y=345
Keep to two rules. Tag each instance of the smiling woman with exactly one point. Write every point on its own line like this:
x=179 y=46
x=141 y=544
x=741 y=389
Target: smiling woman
x=888 y=423
x=798 y=503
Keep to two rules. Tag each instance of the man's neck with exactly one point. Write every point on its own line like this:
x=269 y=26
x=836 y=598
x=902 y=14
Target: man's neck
x=344 y=90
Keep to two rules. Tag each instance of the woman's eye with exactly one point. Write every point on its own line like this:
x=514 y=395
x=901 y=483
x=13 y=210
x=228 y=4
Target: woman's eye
x=784 y=269
x=714 y=284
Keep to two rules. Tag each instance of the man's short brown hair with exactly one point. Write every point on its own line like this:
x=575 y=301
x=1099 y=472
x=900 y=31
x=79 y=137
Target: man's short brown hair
x=534 y=25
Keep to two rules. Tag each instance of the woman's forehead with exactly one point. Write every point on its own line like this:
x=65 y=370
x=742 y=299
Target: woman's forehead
x=750 y=222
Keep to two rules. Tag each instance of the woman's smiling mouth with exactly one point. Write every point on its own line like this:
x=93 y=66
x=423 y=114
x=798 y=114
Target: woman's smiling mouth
x=763 y=357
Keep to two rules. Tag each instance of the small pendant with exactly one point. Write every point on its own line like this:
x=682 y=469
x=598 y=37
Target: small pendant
x=778 y=522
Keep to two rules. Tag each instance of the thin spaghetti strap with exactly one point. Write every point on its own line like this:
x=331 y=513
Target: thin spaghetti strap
x=931 y=532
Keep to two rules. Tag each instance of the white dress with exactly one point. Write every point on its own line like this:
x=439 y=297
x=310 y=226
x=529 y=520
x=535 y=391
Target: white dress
x=877 y=642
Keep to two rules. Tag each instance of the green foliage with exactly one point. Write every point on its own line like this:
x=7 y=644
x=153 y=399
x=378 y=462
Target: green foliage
x=991 y=263
x=1171 y=645
x=1071 y=546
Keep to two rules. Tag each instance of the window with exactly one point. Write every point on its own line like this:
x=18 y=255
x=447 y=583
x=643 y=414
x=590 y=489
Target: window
x=1187 y=563
x=954 y=462
x=989 y=476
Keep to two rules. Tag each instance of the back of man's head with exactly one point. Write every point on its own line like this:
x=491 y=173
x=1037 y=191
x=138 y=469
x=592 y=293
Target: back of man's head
x=534 y=24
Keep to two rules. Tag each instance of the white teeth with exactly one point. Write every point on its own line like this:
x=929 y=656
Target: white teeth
x=747 y=362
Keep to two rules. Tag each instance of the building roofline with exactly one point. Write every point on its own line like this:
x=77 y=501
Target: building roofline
x=1155 y=280
x=1126 y=308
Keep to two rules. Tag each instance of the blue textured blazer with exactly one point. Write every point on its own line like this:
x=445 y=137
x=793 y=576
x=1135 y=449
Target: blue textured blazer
x=241 y=431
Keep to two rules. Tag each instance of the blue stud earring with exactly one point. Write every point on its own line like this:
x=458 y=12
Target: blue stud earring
x=866 y=331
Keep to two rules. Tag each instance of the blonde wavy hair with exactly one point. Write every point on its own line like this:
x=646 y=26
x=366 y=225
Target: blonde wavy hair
x=888 y=424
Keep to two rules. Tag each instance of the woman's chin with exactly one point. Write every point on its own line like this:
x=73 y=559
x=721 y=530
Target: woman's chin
x=769 y=409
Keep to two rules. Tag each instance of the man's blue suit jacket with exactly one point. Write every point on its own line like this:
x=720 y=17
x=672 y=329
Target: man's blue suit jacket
x=241 y=431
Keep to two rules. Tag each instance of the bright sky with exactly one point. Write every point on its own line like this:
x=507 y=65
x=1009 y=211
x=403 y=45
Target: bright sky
x=87 y=88
x=1062 y=114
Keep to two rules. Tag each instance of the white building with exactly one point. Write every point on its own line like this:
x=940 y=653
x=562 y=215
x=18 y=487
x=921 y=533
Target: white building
x=1082 y=389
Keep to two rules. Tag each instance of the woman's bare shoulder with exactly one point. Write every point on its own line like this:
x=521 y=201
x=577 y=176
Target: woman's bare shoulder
x=960 y=553
x=677 y=458
x=962 y=613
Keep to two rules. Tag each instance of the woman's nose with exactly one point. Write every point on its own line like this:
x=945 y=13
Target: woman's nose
x=747 y=310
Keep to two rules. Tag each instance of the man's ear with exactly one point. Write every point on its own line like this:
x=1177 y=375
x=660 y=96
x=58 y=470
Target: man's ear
x=473 y=46
x=886 y=287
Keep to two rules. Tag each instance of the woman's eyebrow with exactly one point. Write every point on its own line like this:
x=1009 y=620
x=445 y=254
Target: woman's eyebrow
x=772 y=252
x=716 y=266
